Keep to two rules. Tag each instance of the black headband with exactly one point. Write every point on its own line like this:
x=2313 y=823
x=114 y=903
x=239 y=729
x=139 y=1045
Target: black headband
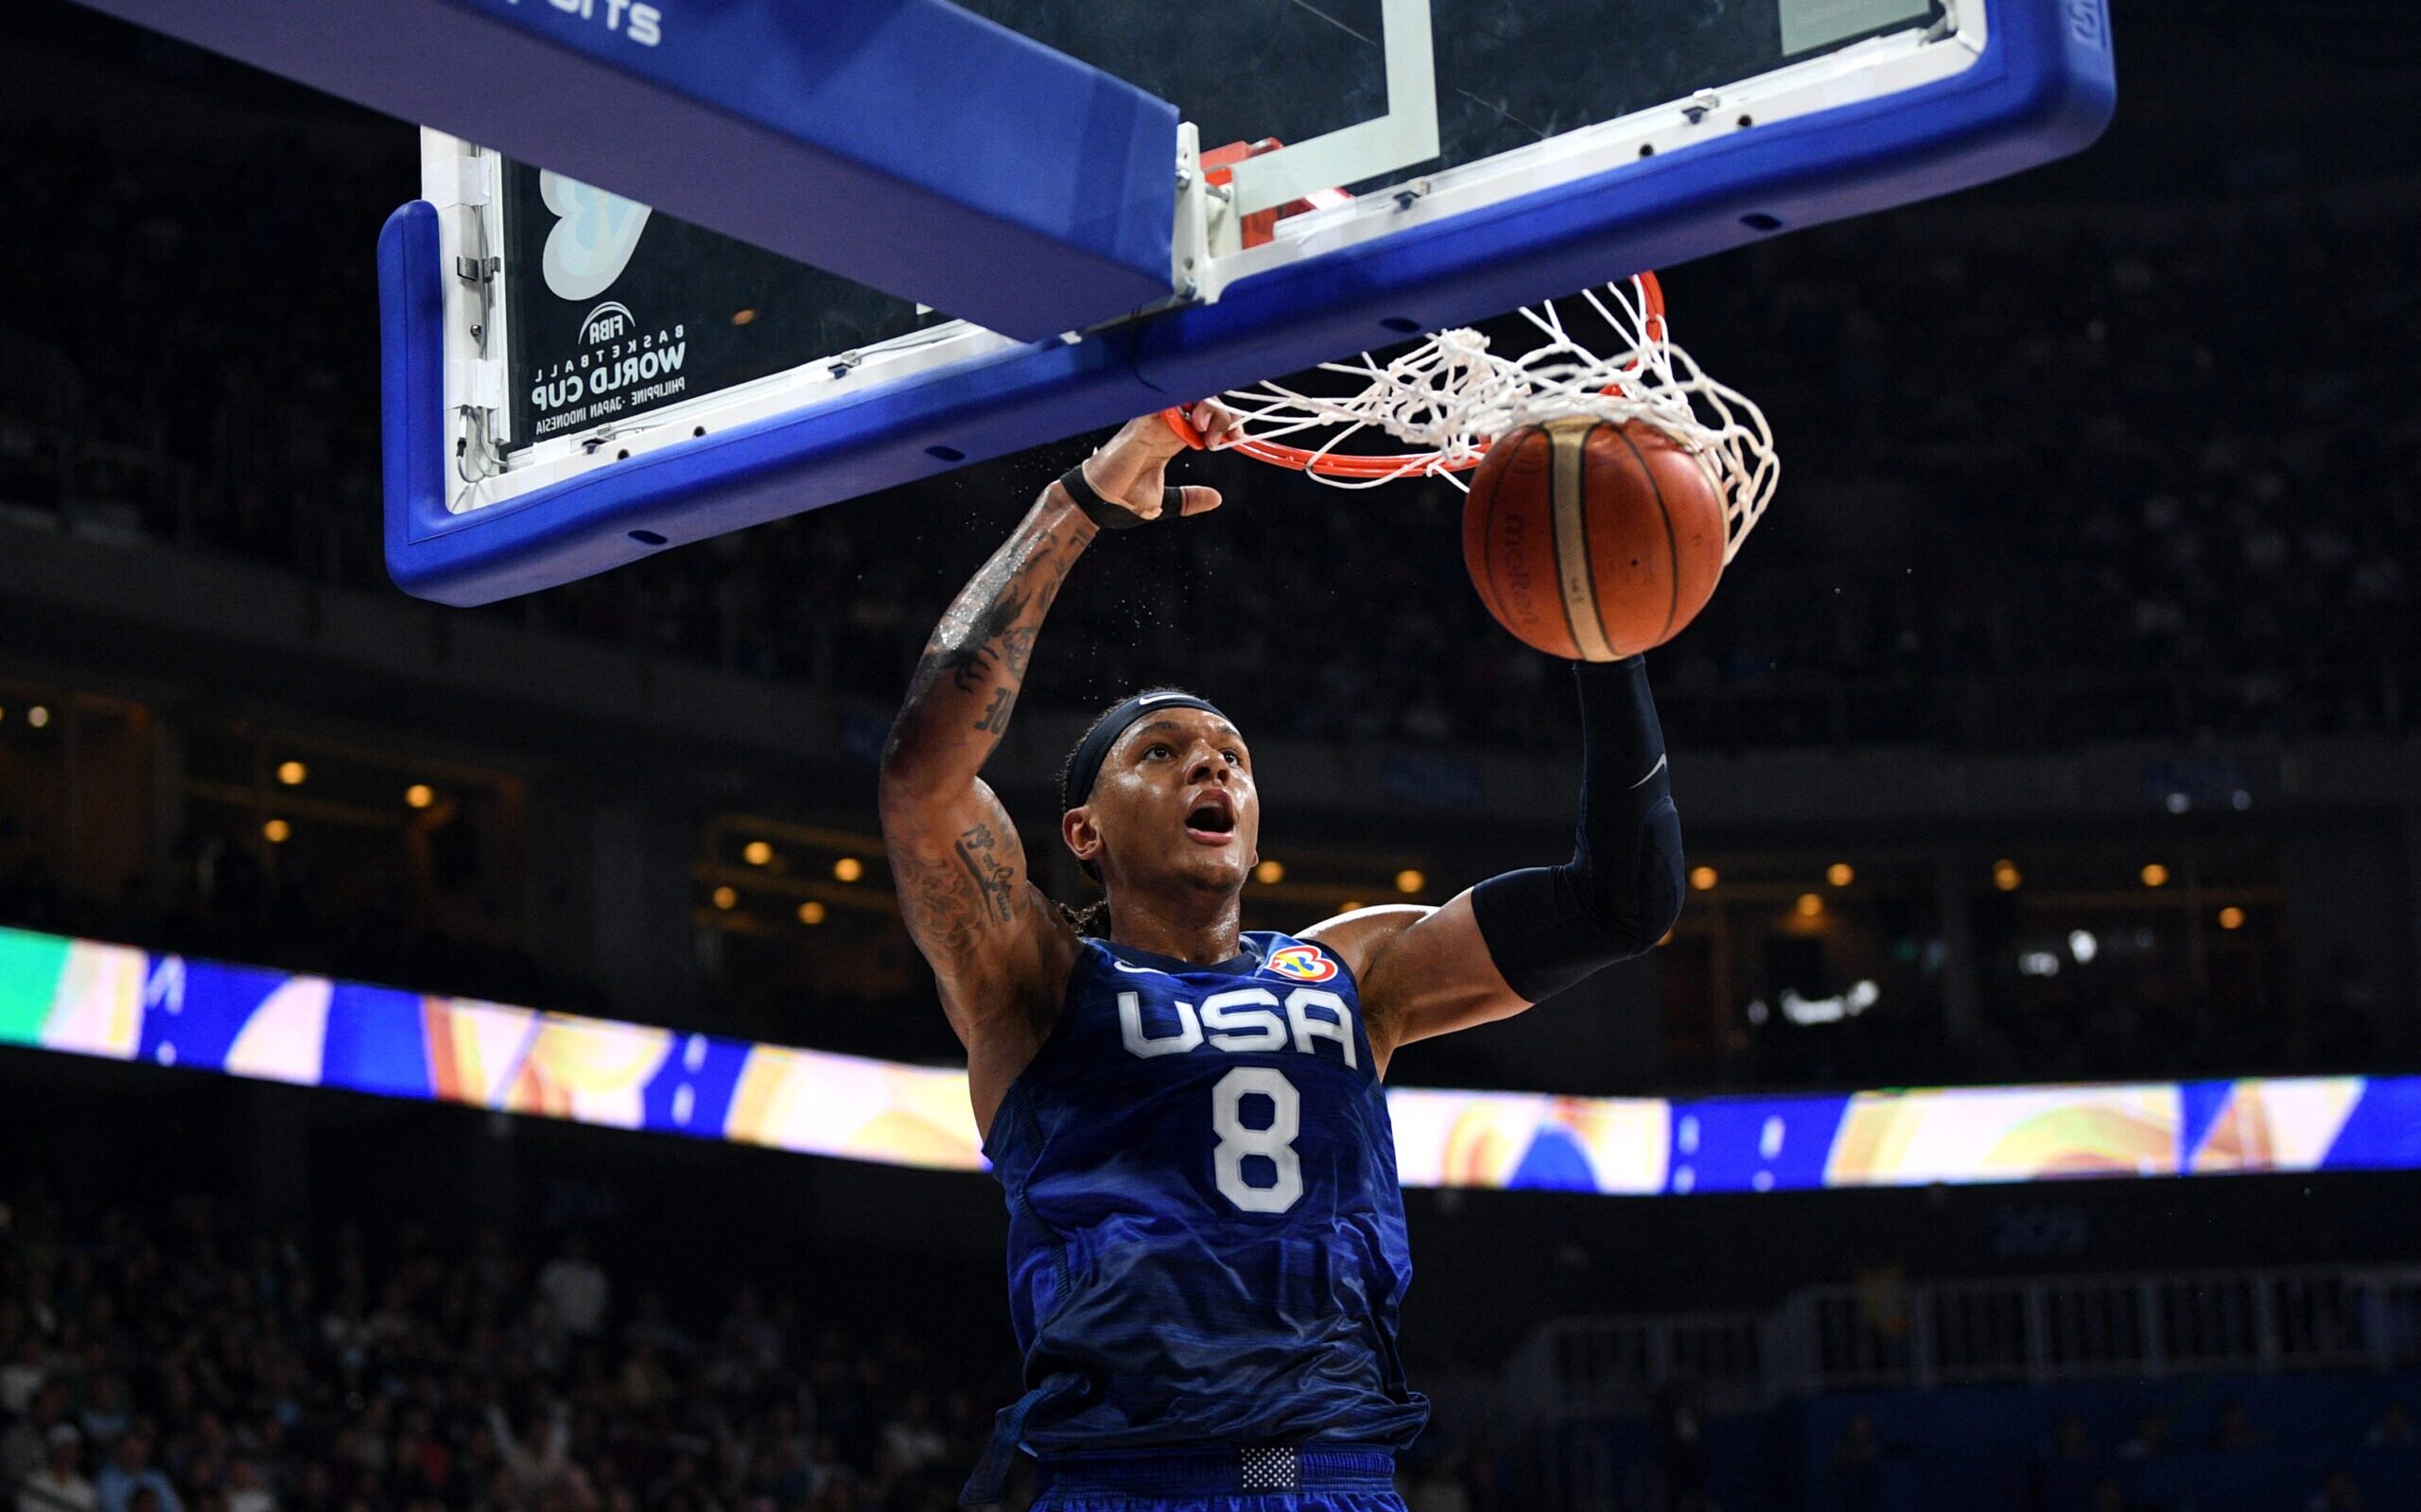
x=1086 y=766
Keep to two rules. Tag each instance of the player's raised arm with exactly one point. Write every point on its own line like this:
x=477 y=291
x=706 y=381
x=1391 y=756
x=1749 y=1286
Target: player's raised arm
x=998 y=948
x=1497 y=949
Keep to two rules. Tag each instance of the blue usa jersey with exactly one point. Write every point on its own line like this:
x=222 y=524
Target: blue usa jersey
x=1206 y=1235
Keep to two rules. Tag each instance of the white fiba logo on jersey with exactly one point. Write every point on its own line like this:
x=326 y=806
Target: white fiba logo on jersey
x=593 y=242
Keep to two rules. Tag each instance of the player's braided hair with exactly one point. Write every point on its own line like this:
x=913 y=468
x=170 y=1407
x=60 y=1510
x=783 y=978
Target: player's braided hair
x=1093 y=918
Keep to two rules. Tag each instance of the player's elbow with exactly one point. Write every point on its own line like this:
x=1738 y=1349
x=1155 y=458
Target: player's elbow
x=906 y=799
x=911 y=772
x=1554 y=927
x=1635 y=907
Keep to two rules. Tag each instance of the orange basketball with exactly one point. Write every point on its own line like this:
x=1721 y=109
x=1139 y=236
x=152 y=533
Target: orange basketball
x=1591 y=540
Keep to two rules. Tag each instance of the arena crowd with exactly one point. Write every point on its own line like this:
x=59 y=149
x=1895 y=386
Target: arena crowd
x=193 y=1360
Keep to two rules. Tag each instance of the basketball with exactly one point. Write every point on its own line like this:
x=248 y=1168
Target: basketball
x=1590 y=540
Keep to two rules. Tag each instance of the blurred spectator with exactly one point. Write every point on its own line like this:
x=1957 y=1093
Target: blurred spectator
x=22 y=1372
x=26 y=1442
x=129 y=1478
x=913 y=1439
x=56 y=1486
x=246 y=1491
x=575 y=1289
x=1438 y=1487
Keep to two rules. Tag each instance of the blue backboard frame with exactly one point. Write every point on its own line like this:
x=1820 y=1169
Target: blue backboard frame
x=2043 y=87
x=918 y=147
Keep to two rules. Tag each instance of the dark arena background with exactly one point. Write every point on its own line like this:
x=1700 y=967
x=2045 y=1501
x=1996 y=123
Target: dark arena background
x=2025 y=1113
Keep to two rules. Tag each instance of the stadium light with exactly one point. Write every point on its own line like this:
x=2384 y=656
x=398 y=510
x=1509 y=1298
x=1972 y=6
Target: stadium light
x=2231 y=917
x=811 y=912
x=726 y=898
x=38 y=716
x=757 y=853
x=419 y=795
x=848 y=869
x=1269 y=871
x=2006 y=875
x=1702 y=879
x=1840 y=874
x=1409 y=881
x=1810 y=905
x=278 y=831
x=2155 y=875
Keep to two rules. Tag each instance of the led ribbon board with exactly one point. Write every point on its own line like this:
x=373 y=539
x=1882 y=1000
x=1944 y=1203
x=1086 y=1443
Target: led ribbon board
x=77 y=996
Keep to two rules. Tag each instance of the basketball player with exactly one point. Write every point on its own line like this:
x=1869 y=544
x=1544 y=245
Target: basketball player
x=1207 y=1247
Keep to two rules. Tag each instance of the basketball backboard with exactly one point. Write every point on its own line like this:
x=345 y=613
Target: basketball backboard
x=574 y=381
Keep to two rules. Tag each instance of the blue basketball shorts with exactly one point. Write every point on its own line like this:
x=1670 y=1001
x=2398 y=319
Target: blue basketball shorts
x=1276 y=1479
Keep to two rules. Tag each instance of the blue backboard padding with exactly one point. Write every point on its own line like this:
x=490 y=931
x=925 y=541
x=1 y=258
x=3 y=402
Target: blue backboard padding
x=908 y=144
x=2044 y=88
x=413 y=455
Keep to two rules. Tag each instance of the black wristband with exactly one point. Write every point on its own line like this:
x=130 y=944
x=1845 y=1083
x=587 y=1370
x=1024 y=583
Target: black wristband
x=1114 y=516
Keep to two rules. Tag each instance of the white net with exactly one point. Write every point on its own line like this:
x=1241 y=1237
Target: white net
x=1449 y=396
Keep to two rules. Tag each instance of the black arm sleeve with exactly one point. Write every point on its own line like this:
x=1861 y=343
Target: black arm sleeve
x=1550 y=926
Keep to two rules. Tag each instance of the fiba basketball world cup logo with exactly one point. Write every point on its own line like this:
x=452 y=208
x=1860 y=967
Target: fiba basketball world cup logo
x=619 y=364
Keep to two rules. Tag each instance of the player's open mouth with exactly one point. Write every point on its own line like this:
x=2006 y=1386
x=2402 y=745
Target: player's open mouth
x=1212 y=821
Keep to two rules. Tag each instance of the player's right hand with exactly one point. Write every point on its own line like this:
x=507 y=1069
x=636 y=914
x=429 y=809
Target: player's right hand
x=1131 y=470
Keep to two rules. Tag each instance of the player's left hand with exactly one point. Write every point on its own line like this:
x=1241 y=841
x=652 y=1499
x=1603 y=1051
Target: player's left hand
x=1132 y=470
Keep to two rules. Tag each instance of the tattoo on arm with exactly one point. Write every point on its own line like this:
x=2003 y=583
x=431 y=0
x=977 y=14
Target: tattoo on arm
x=995 y=717
x=984 y=642
x=957 y=860
x=952 y=902
x=971 y=659
x=995 y=879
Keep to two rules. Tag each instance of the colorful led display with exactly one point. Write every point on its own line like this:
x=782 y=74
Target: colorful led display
x=82 y=998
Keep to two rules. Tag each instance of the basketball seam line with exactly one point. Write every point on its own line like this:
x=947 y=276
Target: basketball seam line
x=1587 y=556
x=1555 y=546
x=1580 y=516
x=1672 y=546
